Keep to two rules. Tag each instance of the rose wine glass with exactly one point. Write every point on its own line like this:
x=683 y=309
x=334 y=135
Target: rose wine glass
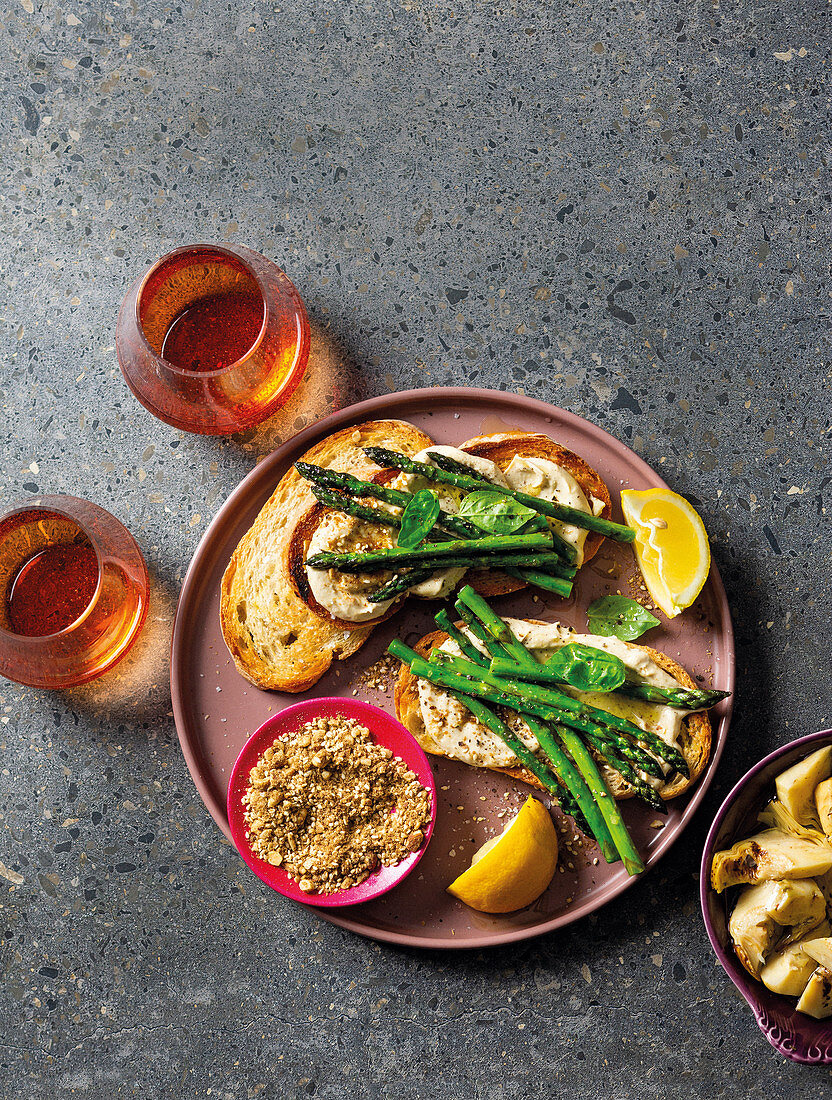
x=212 y=339
x=73 y=592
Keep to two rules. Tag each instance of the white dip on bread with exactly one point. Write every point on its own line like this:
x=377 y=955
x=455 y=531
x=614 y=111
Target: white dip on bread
x=453 y=731
x=539 y=477
x=344 y=595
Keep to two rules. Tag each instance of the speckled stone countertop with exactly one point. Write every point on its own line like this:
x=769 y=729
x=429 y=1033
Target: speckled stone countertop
x=620 y=208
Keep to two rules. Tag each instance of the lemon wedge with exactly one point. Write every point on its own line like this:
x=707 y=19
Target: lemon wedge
x=513 y=869
x=671 y=546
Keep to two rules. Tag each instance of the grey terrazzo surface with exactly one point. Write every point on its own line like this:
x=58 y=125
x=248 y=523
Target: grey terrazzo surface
x=621 y=208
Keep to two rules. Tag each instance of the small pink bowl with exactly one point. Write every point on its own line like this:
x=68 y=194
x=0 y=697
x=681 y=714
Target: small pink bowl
x=386 y=731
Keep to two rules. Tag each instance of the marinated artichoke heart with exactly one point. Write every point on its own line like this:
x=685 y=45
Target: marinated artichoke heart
x=796 y=786
x=789 y=968
x=817 y=996
x=823 y=805
x=767 y=856
x=819 y=949
x=763 y=912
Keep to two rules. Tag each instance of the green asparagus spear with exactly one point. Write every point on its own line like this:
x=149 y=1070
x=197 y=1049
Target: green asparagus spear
x=543 y=563
x=591 y=821
x=452 y=681
x=340 y=503
x=505 y=669
x=533 y=562
x=584 y=811
x=432 y=554
x=496 y=627
x=599 y=736
x=682 y=698
x=399 y=585
x=534 y=577
x=611 y=741
x=461 y=685
x=577 y=517
x=492 y=646
x=467 y=647
x=543 y=732
x=570 y=741
x=351 y=485
x=355 y=487
x=605 y=801
x=560 y=761
x=441 y=473
x=641 y=788
x=532 y=559
x=398 y=461
x=544 y=577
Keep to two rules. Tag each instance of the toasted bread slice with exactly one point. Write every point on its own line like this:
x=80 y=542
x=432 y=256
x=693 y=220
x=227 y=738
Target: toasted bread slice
x=279 y=635
x=695 y=741
x=501 y=449
x=277 y=641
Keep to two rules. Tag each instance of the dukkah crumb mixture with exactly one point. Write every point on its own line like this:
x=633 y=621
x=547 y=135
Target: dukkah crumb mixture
x=330 y=806
x=380 y=675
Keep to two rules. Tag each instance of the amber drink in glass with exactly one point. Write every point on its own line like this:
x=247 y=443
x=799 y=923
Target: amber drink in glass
x=212 y=339
x=73 y=592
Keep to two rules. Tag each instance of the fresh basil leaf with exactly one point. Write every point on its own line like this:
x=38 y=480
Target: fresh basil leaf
x=588 y=669
x=418 y=518
x=618 y=617
x=495 y=513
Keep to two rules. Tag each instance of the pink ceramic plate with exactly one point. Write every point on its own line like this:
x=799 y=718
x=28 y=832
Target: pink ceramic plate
x=214 y=725
x=386 y=731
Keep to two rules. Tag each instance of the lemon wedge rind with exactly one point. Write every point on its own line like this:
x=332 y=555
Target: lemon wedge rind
x=671 y=546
